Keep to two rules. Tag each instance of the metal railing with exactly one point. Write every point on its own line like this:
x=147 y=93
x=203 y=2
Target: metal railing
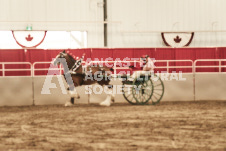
x=32 y=68
x=44 y=69
x=168 y=66
x=4 y=69
x=219 y=66
x=60 y=68
x=115 y=65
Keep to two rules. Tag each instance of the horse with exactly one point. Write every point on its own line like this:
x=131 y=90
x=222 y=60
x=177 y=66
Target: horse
x=79 y=74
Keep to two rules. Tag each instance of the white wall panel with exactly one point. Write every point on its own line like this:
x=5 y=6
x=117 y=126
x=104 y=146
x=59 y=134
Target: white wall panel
x=66 y=15
x=56 y=95
x=16 y=91
x=19 y=10
x=134 y=15
x=179 y=90
x=210 y=86
x=4 y=10
x=50 y=10
x=166 y=15
x=98 y=98
x=38 y=10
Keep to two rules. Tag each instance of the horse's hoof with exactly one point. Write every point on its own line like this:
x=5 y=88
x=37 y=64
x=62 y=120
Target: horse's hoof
x=105 y=104
x=68 y=104
x=113 y=100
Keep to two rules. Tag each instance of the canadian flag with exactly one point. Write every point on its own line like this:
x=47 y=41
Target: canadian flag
x=29 y=39
x=177 y=39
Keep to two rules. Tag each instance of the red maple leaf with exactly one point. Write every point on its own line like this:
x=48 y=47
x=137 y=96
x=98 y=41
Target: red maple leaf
x=177 y=39
x=29 y=38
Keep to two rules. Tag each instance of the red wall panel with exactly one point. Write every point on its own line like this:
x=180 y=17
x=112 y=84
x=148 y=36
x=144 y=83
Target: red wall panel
x=101 y=53
x=165 y=54
x=122 y=53
x=80 y=52
x=206 y=53
x=35 y=55
x=138 y=52
x=15 y=55
x=184 y=54
x=222 y=55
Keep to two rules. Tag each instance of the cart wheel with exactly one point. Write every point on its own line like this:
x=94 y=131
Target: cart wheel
x=127 y=92
x=142 y=90
x=158 y=89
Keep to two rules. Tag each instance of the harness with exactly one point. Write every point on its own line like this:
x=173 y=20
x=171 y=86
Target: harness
x=77 y=64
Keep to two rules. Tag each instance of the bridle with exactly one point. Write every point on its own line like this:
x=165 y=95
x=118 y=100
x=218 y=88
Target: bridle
x=63 y=55
x=76 y=63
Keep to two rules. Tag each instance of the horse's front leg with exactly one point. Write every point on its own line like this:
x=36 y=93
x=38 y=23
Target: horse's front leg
x=74 y=95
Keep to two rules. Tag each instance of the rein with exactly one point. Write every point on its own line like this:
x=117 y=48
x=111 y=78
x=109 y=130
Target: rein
x=76 y=64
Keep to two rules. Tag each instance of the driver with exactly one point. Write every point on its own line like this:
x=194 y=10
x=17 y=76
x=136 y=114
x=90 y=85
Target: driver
x=148 y=66
x=147 y=63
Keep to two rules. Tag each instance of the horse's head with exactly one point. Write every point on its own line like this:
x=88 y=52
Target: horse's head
x=68 y=58
x=56 y=61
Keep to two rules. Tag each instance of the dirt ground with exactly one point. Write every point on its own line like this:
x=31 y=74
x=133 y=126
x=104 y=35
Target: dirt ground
x=167 y=126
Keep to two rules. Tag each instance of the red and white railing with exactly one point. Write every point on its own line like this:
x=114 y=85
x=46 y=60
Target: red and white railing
x=4 y=69
x=218 y=61
x=219 y=64
x=168 y=66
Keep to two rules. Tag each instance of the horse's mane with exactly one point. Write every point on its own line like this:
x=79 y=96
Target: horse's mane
x=72 y=59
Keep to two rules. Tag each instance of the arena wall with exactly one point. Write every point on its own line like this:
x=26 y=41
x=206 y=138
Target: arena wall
x=201 y=84
x=179 y=90
x=210 y=86
x=18 y=91
x=56 y=95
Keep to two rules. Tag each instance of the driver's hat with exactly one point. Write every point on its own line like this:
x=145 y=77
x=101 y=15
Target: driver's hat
x=144 y=57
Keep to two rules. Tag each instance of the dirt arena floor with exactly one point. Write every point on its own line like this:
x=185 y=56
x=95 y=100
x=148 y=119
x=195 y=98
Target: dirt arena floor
x=167 y=126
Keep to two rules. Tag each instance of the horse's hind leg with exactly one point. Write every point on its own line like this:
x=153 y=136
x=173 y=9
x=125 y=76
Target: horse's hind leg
x=110 y=87
x=110 y=96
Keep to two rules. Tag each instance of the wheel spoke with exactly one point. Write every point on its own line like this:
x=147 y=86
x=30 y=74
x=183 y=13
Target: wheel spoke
x=157 y=85
x=143 y=91
x=157 y=93
x=154 y=97
x=158 y=89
